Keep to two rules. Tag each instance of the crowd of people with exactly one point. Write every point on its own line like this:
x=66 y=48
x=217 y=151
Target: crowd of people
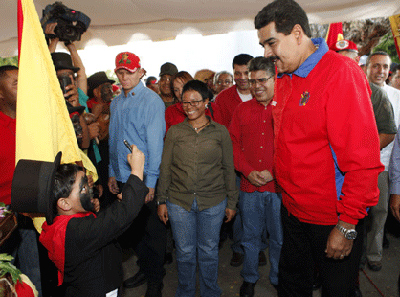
x=296 y=150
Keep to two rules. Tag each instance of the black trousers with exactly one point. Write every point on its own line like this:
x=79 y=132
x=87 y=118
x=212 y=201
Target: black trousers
x=303 y=249
x=147 y=236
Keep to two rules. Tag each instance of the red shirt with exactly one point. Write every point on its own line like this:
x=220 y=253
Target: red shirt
x=227 y=101
x=252 y=136
x=7 y=156
x=329 y=107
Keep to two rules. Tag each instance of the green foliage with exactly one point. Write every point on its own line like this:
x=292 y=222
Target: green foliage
x=387 y=44
x=7 y=267
x=9 y=61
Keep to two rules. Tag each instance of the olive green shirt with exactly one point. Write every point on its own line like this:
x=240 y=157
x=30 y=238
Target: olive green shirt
x=383 y=110
x=197 y=165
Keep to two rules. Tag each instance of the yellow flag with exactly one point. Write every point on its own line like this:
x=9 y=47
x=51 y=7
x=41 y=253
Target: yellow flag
x=395 y=26
x=43 y=123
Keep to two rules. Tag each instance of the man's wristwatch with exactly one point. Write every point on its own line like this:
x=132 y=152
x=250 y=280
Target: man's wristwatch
x=160 y=202
x=349 y=234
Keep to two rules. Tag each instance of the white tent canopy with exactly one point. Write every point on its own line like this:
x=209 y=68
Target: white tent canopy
x=121 y=21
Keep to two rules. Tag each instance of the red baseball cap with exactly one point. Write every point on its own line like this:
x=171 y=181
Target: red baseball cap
x=344 y=45
x=127 y=61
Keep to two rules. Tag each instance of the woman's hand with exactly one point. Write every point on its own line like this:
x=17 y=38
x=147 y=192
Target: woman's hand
x=229 y=213
x=163 y=213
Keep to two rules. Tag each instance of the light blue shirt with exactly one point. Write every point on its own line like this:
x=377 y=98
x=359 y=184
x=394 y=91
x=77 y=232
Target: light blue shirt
x=138 y=118
x=394 y=166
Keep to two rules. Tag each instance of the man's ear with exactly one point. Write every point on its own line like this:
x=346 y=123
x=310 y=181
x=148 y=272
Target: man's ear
x=142 y=72
x=64 y=204
x=298 y=33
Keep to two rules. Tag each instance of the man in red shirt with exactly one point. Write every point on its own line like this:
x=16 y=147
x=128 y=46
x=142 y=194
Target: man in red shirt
x=23 y=241
x=252 y=136
x=323 y=120
x=228 y=99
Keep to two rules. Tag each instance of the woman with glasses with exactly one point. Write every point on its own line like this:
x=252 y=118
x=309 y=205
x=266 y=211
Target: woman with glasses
x=175 y=114
x=196 y=190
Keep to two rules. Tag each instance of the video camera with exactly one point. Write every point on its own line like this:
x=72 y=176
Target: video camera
x=71 y=24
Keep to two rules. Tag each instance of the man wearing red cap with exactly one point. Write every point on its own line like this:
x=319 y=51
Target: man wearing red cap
x=138 y=116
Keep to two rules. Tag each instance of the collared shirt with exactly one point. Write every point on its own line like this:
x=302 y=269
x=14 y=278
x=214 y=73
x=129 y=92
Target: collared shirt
x=197 y=165
x=383 y=111
x=394 y=98
x=138 y=118
x=394 y=167
x=252 y=135
x=7 y=156
x=226 y=102
x=321 y=110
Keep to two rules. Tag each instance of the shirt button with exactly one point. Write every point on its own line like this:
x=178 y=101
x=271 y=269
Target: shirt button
x=264 y=121
x=260 y=161
x=262 y=133
x=261 y=147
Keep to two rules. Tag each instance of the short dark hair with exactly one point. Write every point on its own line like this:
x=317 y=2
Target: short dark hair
x=199 y=87
x=262 y=63
x=241 y=59
x=378 y=53
x=5 y=68
x=395 y=68
x=65 y=178
x=285 y=14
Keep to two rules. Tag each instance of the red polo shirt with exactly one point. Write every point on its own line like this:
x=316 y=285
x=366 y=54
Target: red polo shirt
x=7 y=156
x=227 y=101
x=252 y=134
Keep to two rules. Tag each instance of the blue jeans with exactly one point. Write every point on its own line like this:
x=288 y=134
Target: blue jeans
x=237 y=229
x=197 y=232
x=260 y=211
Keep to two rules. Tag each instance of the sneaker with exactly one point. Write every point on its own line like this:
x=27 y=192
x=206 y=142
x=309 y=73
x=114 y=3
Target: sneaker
x=237 y=259
x=247 y=289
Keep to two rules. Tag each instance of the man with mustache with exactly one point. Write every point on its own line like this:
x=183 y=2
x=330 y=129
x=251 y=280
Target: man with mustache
x=326 y=153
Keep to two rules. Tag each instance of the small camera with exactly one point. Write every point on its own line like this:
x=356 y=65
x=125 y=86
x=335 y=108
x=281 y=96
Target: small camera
x=64 y=80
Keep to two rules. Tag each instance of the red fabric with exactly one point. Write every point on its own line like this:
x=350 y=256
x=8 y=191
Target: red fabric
x=252 y=136
x=226 y=102
x=175 y=114
x=7 y=156
x=23 y=290
x=20 y=17
x=339 y=113
x=90 y=103
x=334 y=30
x=53 y=239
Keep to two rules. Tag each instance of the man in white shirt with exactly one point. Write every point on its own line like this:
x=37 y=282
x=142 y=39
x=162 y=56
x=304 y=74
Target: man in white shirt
x=378 y=65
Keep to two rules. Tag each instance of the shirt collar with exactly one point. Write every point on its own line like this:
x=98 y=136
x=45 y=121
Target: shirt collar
x=134 y=91
x=309 y=64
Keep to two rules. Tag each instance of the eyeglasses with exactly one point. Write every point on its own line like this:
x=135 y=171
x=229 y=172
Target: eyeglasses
x=226 y=82
x=192 y=103
x=259 y=80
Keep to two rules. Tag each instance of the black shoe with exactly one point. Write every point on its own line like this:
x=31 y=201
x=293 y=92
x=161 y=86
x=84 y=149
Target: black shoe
x=247 y=289
x=262 y=260
x=168 y=258
x=357 y=292
x=237 y=259
x=135 y=281
x=154 y=290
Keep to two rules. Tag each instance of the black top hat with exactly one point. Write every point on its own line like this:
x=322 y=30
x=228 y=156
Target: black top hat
x=63 y=61
x=32 y=187
x=96 y=80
